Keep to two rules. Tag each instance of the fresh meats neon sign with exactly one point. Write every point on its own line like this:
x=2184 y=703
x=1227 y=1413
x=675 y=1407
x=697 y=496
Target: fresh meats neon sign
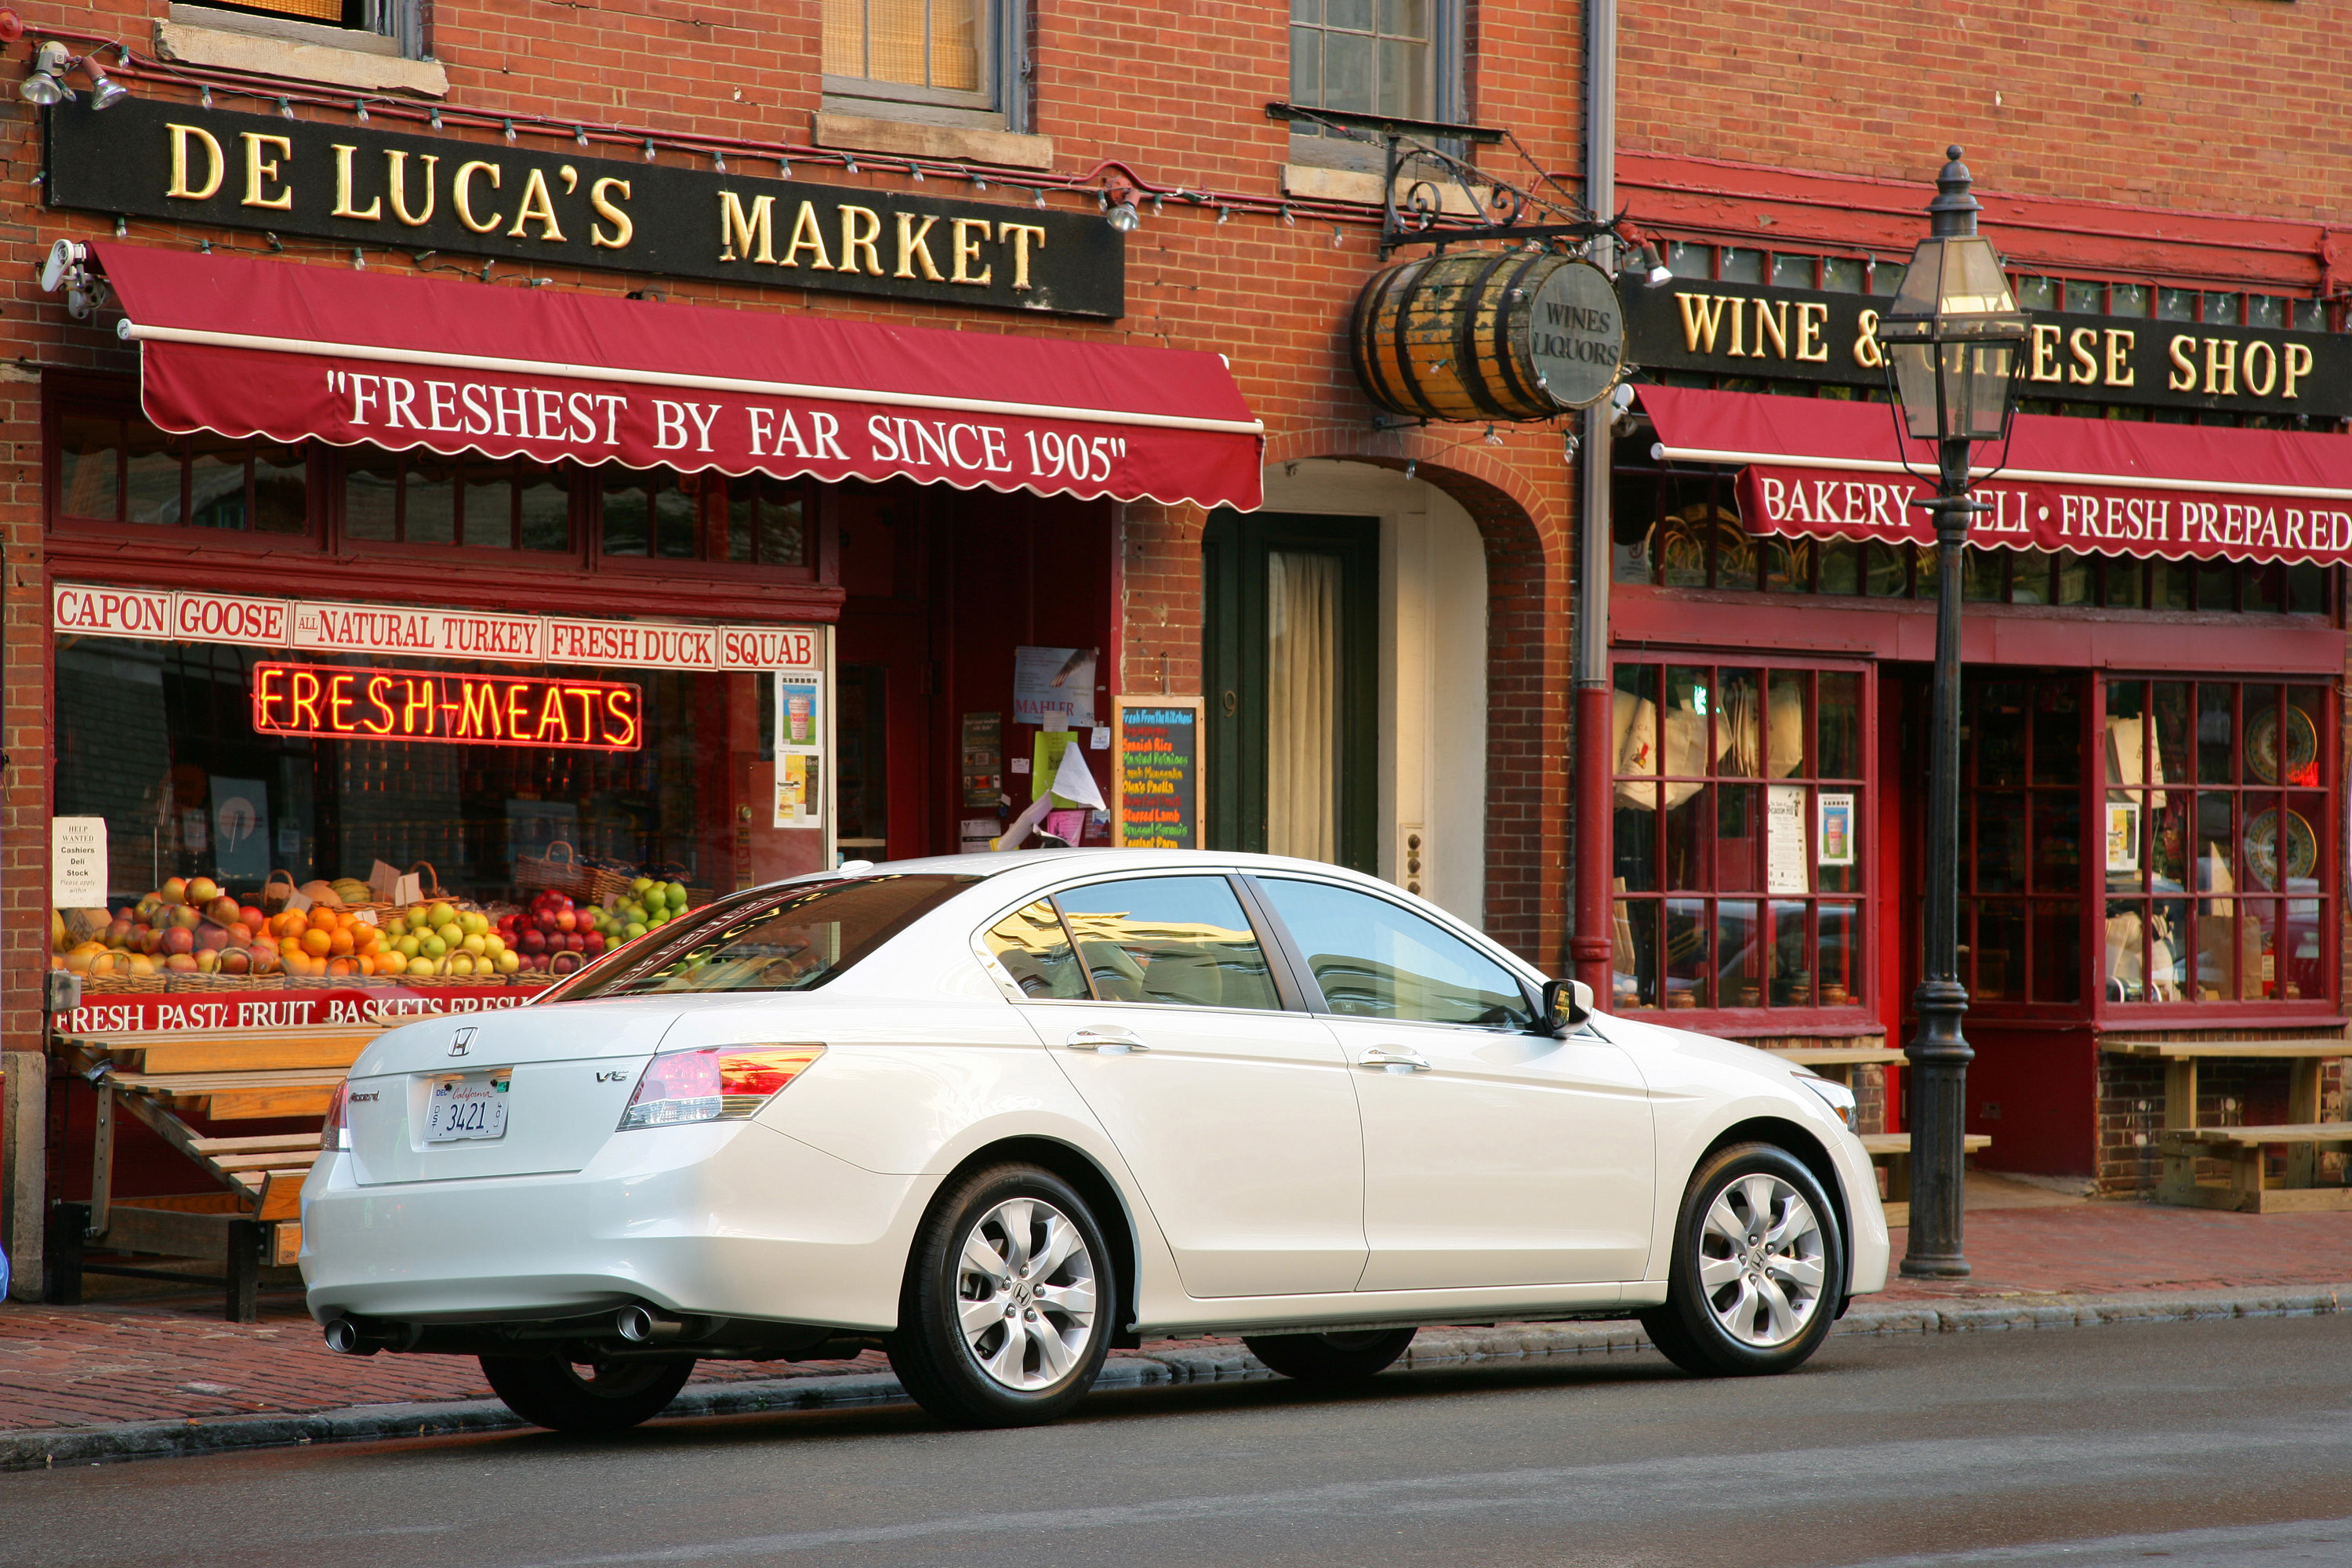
x=345 y=703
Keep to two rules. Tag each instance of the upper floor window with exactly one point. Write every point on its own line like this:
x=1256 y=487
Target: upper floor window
x=376 y=26
x=926 y=59
x=1372 y=56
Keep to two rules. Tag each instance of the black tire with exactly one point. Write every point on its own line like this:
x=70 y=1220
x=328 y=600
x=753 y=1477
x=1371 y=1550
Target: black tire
x=598 y=1396
x=1328 y=1359
x=1732 y=1330
x=941 y=1368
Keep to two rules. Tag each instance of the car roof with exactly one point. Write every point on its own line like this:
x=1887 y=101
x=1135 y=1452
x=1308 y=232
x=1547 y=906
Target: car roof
x=1057 y=863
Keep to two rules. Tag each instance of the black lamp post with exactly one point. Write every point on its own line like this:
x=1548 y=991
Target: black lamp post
x=1953 y=340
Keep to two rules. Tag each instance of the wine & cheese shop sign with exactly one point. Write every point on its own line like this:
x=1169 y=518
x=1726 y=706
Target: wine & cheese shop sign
x=539 y=204
x=1790 y=335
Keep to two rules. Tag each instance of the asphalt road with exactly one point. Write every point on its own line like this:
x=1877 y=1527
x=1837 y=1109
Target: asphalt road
x=2201 y=1445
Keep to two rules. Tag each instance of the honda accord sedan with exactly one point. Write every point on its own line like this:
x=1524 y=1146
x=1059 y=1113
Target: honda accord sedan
x=1000 y=1114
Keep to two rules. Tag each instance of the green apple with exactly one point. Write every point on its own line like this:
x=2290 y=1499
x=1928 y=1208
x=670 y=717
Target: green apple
x=433 y=947
x=508 y=963
x=633 y=930
x=408 y=946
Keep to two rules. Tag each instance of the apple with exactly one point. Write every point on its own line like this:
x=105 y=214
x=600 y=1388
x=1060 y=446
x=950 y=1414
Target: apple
x=633 y=930
x=566 y=920
x=118 y=933
x=174 y=891
x=449 y=932
x=432 y=947
x=495 y=945
x=207 y=963
x=212 y=937
x=475 y=945
x=408 y=946
x=236 y=961
x=252 y=917
x=442 y=915
x=534 y=941
x=593 y=943
x=201 y=891
x=509 y=963
x=562 y=963
x=179 y=940
x=187 y=917
x=420 y=967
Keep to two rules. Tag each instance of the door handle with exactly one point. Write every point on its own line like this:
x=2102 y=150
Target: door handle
x=1393 y=1060
x=1109 y=1039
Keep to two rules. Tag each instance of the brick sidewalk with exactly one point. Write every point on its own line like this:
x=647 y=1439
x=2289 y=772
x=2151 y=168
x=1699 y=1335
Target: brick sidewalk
x=65 y=1367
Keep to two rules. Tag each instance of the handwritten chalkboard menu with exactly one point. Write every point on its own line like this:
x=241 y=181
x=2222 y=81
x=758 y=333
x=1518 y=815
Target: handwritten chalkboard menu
x=1158 y=746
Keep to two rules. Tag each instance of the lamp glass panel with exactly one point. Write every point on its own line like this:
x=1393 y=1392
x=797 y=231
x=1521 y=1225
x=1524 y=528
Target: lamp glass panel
x=1915 y=383
x=1973 y=282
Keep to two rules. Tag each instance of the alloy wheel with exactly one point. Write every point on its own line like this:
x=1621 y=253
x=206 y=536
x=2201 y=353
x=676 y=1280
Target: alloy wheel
x=1026 y=1294
x=1762 y=1260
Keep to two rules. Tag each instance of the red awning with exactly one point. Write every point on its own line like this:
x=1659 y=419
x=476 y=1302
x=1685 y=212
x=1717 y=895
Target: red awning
x=270 y=348
x=1826 y=467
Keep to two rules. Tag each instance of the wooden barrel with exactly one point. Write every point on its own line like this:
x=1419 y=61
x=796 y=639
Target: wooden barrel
x=1450 y=336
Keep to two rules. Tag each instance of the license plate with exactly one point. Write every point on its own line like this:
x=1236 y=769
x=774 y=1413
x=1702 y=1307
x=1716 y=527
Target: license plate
x=466 y=1105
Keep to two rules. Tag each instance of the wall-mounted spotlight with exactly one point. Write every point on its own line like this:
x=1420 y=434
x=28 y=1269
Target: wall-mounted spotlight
x=45 y=85
x=1117 y=202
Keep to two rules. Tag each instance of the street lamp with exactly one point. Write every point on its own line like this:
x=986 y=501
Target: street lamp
x=1953 y=342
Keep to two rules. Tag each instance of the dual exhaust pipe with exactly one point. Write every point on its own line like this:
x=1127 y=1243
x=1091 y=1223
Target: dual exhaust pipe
x=634 y=1324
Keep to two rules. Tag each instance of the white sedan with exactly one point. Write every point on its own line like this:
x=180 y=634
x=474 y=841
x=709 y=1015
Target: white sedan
x=1002 y=1114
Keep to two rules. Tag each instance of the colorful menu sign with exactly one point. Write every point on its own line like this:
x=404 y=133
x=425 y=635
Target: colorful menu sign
x=1157 y=740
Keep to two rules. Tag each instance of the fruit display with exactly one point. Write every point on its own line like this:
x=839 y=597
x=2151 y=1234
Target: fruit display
x=557 y=934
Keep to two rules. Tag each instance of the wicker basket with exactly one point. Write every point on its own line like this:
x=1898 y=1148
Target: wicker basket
x=564 y=873
x=116 y=984
x=274 y=895
x=205 y=982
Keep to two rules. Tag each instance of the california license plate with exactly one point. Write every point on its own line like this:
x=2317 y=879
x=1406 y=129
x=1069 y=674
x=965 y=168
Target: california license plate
x=466 y=1105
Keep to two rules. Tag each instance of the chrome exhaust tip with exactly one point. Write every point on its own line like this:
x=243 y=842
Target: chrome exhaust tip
x=344 y=1338
x=640 y=1326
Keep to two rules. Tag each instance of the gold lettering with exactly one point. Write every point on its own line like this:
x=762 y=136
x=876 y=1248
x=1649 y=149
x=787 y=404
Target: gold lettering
x=260 y=171
x=461 y=192
x=1021 y=234
x=2119 y=347
x=395 y=168
x=623 y=229
x=345 y=154
x=1811 y=316
x=2082 y=343
x=856 y=236
x=1772 y=323
x=1866 y=352
x=1739 y=325
x=181 y=136
x=2045 y=354
x=967 y=250
x=2221 y=367
x=807 y=235
x=539 y=207
x=1702 y=319
x=747 y=236
x=2270 y=369
x=2298 y=365
x=2184 y=368
x=914 y=247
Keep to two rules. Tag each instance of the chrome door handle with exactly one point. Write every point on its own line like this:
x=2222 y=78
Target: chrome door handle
x=1109 y=1039
x=1393 y=1061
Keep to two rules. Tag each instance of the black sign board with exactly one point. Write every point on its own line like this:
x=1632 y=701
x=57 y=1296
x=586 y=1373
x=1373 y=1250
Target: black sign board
x=1159 y=750
x=1792 y=334
x=543 y=206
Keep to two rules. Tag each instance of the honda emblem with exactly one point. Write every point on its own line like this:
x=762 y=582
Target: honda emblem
x=460 y=1040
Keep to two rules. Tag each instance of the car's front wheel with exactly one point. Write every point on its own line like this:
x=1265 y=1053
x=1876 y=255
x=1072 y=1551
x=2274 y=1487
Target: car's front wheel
x=1329 y=1359
x=595 y=1396
x=1757 y=1266
x=1006 y=1313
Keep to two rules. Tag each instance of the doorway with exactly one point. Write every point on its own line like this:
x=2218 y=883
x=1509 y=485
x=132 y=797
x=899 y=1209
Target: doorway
x=1291 y=659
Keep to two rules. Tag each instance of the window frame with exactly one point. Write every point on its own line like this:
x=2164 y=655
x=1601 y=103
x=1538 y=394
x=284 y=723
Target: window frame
x=1288 y=993
x=2227 y=1011
x=1001 y=102
x=1448 y=98
x=2088 y=901
x=1311 y=990
x=1861 y=1014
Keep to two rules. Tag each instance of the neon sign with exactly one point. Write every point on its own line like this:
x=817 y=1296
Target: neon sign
x=348 y=703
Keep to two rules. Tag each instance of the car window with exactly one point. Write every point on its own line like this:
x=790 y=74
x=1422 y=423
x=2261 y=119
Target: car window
x=793 y=939
x=1036 y=951
x=1376 y=960
x=1169 y=939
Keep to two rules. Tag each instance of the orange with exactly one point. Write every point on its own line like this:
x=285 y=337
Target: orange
x=342 y=966
x=341 y=942
x=316 y=942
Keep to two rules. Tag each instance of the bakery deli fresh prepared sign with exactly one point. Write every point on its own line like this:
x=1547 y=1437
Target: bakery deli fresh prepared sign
x=539 y=206
x=1788 y=334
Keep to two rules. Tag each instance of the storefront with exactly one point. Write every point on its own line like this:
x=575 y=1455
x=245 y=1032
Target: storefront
x=2152 y=840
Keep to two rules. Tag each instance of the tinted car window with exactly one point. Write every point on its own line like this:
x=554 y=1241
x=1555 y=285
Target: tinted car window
x=1376 y=960
x=1169 y=939
x=1036 y=951
x=793 y=939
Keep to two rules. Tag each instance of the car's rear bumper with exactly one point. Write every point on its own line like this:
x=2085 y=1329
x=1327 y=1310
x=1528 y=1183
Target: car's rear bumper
x=728 y=1220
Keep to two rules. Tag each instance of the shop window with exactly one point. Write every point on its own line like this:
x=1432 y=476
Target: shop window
x=767 y=522
x=1740 y=857
x=125 y=471
x=651 y=513
x=940 y=60
x=424 y=499
x=2218 y=839
x=2087 y=299
x=2021 y=840
x=1372 y=56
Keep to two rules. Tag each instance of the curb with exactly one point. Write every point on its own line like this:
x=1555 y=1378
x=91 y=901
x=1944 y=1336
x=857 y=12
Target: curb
x=1161 y=1367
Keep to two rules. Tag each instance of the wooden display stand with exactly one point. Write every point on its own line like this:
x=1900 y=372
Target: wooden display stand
x=2181 y=1144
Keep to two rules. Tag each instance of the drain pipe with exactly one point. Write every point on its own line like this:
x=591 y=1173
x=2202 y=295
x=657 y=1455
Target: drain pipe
x=1590 y=949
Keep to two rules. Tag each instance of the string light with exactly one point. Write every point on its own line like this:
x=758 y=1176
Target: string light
x=649 y=149
x=916 y=170
x=435 y=117
x=1223 y=217
x=979 y=181
x=1040 y=202
x=1158 y=204
x=1288 y=221
x=848 y=164
x=1338 y=238
x=1410 y=465
x=581 y=136
x=783 y=166
x=286 y=109
x=719 y=162
x=1494 y=438
x=359 y=110
x=208 y=96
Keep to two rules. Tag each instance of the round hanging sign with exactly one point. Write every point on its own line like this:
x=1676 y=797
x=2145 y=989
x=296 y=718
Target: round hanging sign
x=1488 y=334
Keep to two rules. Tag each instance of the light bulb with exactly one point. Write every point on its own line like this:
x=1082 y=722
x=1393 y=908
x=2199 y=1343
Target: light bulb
x=916 y=170
x=649 y=149
x=509 y=132
x=1040 y=195
x=719 y=162
x=1123 y=216
x=286 y=109
x=784 y=167
x=580 y=134
x=206 y=97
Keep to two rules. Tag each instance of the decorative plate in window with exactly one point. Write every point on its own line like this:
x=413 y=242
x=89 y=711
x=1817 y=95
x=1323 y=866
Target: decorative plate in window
x=2302 y=747
x=2262 y=847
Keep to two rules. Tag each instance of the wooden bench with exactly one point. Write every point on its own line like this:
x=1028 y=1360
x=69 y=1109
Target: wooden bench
x=163 y=1079
x=2180 y=1142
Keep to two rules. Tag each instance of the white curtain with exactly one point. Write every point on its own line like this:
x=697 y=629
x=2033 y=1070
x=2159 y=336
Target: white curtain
x=1302 y=751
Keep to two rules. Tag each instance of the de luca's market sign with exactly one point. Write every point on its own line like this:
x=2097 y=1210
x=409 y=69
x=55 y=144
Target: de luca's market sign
x=81 y=609
x=547 y=204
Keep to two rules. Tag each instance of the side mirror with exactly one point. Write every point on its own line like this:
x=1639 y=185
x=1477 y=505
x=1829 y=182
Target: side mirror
x=1567 y=1003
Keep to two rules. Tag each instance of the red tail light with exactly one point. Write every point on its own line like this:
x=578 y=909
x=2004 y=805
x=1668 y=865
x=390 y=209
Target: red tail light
x=335 y=1131
x=715 y=1083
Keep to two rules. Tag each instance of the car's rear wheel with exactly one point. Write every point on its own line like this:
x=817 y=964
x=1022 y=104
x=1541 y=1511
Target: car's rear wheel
x=1006 y=1313
x=1328 y=1359
x=1758 y=1267
x=589 y=1396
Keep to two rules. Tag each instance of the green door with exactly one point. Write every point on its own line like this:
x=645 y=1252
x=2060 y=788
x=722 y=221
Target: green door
x=1290 y=659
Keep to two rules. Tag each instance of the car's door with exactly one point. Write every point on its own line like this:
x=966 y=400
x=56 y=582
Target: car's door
x=1494 y=1154
x=1234 y=1112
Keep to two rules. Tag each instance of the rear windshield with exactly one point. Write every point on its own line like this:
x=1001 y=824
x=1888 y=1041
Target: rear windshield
x=795 y=939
